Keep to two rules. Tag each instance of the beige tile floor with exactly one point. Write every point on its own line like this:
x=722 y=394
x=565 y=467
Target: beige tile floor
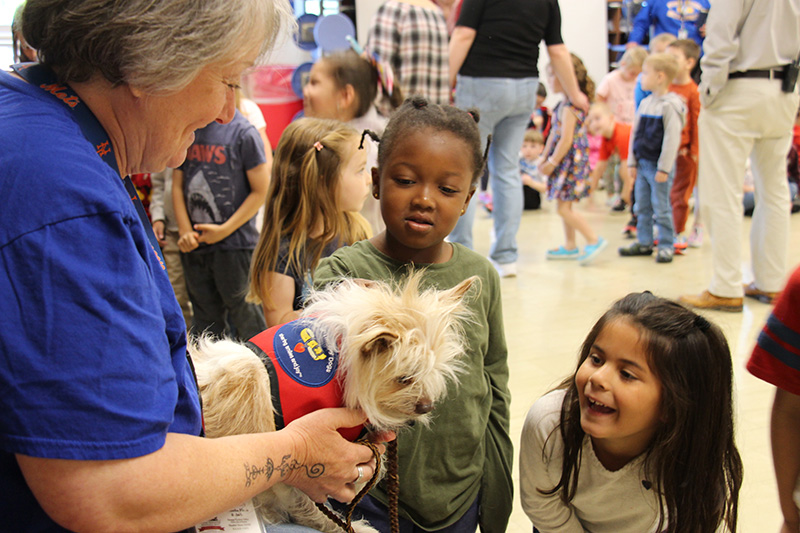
x=550 y=307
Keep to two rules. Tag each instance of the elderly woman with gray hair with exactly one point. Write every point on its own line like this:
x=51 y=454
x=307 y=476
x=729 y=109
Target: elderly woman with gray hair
x=100 y=416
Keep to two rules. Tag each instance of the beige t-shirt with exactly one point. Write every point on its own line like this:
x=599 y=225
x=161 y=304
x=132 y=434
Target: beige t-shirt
x=605 y=501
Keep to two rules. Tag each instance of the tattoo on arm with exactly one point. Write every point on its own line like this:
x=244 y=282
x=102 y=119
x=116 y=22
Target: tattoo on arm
x=253 y=472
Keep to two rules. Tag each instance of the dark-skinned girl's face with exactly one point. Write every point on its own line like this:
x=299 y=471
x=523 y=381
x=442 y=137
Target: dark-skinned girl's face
x=424 y=186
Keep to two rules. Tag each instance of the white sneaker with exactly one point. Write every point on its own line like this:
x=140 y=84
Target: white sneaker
x=506 y=270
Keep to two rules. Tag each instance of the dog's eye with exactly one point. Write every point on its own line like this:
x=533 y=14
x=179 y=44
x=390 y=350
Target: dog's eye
x=405 y=380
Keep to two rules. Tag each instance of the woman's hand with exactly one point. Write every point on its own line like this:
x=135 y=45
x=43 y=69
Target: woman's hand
x=331 y=462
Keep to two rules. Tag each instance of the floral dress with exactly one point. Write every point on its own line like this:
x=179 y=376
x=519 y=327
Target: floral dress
x=569 y=181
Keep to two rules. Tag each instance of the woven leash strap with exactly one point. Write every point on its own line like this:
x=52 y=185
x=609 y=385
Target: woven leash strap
x=393 y=485
x=347 y=526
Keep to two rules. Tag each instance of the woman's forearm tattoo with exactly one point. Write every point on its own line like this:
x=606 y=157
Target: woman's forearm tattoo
x=253 y=472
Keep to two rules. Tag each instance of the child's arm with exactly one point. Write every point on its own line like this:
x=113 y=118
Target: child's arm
x=631 y=155
x=785 y=430
x=673 y=125
x=281 y=293
x=188 y=237
x=536 y=471
x=498 y=441
x=548 y=147
x=157 y=193
x=568 y=121
x=602 y=92
x=258 y=177
x=693 y=113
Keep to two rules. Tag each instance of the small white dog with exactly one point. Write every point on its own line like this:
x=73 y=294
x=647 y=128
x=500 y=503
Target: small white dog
x=389 y=351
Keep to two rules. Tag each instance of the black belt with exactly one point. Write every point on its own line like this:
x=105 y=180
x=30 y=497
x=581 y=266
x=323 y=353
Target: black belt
x=770 y=74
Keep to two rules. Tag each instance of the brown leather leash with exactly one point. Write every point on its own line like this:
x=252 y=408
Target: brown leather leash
x=393 y=488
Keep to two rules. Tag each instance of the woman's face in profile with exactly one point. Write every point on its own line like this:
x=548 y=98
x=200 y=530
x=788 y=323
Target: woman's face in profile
x=169 y=121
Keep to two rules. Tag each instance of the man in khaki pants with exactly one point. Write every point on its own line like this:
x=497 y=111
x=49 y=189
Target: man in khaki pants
x=746 y=112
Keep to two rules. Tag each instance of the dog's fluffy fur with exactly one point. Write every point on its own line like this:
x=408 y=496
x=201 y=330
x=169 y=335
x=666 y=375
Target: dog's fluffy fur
x=398 y=349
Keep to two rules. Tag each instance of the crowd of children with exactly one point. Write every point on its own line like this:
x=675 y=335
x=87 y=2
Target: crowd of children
x=614 y=430
x=658 y=158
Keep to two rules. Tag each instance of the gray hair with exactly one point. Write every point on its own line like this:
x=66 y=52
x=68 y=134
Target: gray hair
x=158 y=46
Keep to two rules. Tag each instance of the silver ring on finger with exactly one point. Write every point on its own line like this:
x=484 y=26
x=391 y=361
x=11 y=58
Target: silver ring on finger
x=360 y=474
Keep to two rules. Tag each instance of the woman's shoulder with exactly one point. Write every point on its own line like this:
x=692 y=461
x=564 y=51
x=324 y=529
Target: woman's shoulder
x=50 y=171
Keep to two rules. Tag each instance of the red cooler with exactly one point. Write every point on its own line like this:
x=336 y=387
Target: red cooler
x=270 y=86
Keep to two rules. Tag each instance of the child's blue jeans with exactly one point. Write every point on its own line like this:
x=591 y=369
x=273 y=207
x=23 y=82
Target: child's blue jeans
x=653 y=206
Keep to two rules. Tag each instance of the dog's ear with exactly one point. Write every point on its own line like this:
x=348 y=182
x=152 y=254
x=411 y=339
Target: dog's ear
x=457 y=293
x=378 y=344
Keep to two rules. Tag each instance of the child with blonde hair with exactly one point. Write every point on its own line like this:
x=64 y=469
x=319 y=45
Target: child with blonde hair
x=655 y=138
x=533 y=184
x=319 y=184
x=617 y=88
x=566 y=163
x=657 y=45
x=615 y=139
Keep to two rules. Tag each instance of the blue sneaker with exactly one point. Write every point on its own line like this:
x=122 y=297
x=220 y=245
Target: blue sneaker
x=592 y=250
x=562 y=253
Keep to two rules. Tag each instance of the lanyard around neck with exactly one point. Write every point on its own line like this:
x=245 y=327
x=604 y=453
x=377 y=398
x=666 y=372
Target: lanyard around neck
x=40 y=76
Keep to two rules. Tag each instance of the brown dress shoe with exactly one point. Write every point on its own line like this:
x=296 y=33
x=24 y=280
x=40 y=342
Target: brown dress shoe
x=706 y=300
x=751 y=291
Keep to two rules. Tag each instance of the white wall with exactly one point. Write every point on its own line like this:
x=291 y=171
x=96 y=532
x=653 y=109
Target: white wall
x=583 y=27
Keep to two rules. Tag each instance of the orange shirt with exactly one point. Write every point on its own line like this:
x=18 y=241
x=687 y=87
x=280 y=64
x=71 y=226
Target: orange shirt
x=619 y=141
x=691 y=97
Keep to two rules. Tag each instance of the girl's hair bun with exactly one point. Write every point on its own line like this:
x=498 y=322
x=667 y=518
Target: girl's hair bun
x=419 y=102
x=475 y=114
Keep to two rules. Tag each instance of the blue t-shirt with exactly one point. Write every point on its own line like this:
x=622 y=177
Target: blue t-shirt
x=93 y=344
x=215 y=180
x=670 y=17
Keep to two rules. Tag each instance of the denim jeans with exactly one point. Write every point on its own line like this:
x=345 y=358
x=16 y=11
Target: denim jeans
x=505 y=106
x=218 y=282
x=652 y=204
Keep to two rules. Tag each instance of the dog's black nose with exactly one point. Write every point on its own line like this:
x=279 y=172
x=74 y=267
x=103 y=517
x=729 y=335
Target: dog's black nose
x=423 y=407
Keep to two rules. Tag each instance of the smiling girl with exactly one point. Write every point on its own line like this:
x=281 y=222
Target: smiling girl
x=640 y=438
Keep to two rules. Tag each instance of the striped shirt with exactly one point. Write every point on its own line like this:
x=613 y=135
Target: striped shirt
x=413 y=40
x=776 y=357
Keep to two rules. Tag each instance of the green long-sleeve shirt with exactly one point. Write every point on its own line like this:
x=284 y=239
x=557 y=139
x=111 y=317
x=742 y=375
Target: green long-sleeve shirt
x=466 y=451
